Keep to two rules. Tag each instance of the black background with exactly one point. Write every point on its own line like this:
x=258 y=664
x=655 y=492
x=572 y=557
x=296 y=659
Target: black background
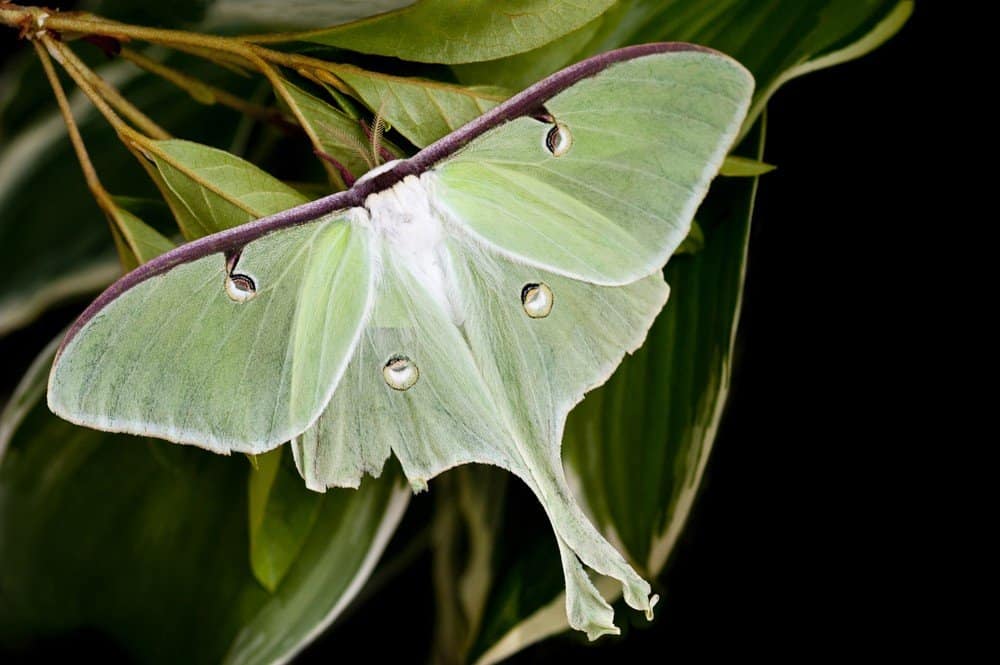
x=785 y=553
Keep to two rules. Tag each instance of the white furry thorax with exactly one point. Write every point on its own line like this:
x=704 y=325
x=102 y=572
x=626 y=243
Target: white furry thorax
x=412 y=237
x=402 y=216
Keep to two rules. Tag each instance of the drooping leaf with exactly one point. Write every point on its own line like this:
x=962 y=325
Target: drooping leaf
x=145 y=544
x=282 y=513
x=212 y=190
x=420 y=109
x=471 y=31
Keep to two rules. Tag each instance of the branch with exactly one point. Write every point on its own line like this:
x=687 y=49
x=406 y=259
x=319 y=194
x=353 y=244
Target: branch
x=209 y=94
x=111 y=94
x=89 y=172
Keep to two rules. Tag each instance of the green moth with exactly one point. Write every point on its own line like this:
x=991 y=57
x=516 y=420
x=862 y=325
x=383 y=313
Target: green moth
x=449 y=308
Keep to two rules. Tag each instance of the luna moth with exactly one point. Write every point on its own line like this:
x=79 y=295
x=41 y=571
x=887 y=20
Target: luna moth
x=449 y=308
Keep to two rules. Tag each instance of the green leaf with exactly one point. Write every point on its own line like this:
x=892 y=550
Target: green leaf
x=471 y=31
x=777 y=41
x=282 y=513
x=352 y=529
x=154 y=211
x=137 y=241
x=295 y=13
x=694 y=242
x=337 y=134
x=211 y=190
x=145 y=543
x=743 y=167
x=346 y=104
x=420 y=109
x=517 y=72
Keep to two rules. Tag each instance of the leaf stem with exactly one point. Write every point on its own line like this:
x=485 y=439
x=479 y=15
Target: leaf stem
x=110 y=93
x=233 y=63
x=104 y=201
x=89 y=172
x=334 y=86
x=136 y=142
x=126 y=133
x=205 y=93
x=88 y=24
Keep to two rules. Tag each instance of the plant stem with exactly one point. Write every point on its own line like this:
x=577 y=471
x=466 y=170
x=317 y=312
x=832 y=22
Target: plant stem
x=206 y=93
x=233 y=63
x=17 y=16
x=100 y=194
x=137 y=143
x=125 y=132
x=89 y=172
x=111 y=95
x=227 y=48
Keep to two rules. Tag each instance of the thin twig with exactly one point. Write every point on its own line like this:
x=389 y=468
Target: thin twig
x=16 y=16
x=109 y=92
x=236 y=64
x=207 y=93
x=125 y=132
x=89 y=172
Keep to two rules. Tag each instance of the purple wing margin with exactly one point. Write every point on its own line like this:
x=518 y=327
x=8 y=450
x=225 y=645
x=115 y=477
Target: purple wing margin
x=528 y=102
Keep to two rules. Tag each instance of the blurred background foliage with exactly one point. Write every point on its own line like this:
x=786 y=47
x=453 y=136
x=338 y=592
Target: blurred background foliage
x=149 y=552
